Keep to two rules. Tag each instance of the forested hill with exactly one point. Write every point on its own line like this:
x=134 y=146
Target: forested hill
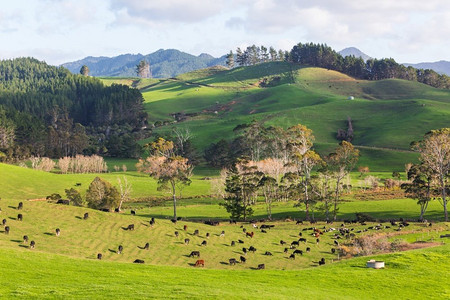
x=163 y=64
x=46 y=110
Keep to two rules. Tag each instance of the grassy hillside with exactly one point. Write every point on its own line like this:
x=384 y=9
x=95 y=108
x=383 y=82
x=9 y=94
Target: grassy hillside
x=387 y=115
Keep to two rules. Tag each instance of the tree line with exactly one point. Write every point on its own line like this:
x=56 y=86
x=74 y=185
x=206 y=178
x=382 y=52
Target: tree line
x=47 y=111
x=323 y=56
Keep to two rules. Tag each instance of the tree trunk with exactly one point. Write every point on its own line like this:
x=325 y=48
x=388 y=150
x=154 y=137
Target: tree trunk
x=336 y=198
x=444 y=200
x=174 y=194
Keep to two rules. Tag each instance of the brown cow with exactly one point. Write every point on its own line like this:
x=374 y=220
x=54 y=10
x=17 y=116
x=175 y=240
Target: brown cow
x=200 y=262
x=249 y=234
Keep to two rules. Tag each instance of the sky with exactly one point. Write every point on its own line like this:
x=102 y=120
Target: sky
x=59 y=31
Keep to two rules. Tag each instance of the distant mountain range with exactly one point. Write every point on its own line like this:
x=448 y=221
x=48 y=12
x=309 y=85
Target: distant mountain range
x=163 y=64
x=171 y=62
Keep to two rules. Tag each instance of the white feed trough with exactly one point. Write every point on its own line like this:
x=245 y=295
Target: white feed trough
x=375 y=264
x=350 y=98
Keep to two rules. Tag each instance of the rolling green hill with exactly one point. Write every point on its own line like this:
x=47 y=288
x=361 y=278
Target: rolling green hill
x=386 y=115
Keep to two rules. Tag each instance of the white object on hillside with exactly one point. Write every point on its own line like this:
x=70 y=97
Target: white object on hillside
x=375 y=264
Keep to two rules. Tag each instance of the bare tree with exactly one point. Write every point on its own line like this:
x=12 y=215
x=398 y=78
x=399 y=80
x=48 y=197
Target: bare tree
x=434 y=152
x=124 y=191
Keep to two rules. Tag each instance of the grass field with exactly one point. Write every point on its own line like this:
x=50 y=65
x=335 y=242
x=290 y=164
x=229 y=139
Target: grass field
x=387 y=115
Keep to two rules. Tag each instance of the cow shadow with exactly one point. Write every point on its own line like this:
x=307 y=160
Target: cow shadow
x=145 y=224
x=226 y=245
x=124 y=228
x=17 y=241
x=185 y=255
x=24 y=246
x=224 y=263
x=13 y=207
x=191 y=264
x=237 y=252
x=12 y=218
x=179 y=243
x=112 y=251
x=142 y=248
x=78 y=217
x=49 y=233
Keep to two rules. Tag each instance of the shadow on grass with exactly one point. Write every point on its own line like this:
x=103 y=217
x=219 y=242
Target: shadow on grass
x=112 y=251
x=78 y=217
x=17 y=241
x=24 y=246
x=49 y=233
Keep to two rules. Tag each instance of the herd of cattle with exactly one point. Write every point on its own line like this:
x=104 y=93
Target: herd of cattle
x=306 y=237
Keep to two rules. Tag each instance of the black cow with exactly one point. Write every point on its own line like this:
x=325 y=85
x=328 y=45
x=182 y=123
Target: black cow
x=86 y=216
x=4 y=222
x=282 y=242
x=242 y=259
x=105 y=209
x=261 y=266
x=99 y=256
x=233 y=243
x=222 y=233
x=186 y=241
x=147 y=245
x=252 y=249
x=302 y=240
x=292 y=256
x=25 y=238
x=298 y=252
x=207 y=235
x=120 y=249
x=204 y=243
x=232 y=261
x=58 y=231
x=333 y=250
x=20 y=206
x=294 y=243
x=240 y=241
x=322 y=261
x=176 y=233
x=78 y=184
x=300 y=234
x=308 y=249
x=196 y=232
x=336 y=243
x=317 y=241
x=263 y=231
x=244 y=250
x=133 y=212
x=130 y=227
x=32 y=244
x=299 y=222
x=19 y=217
x=195 y=254
x=174 y=221
x=138 y=261
x=286 y=250
x=268 y=253
x=6 y=229
x=152 y=222
x=63 y=201
x=244 y=230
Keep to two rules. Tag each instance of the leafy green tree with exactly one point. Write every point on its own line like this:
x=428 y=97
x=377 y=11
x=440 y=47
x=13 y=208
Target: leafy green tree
x=230 y=60
x=84 y=70
x=102 y=195
x=75 y=197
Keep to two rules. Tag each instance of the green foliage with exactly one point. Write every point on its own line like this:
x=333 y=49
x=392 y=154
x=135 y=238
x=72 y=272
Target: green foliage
x=75 y=197
x=84 y=70
x=102 y=195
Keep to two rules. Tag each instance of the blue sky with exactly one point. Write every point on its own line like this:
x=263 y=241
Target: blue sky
x=59 y=31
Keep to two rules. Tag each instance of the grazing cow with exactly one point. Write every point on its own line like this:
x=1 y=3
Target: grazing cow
x=78 y=184
x=268 y=253
x=153 y=220
x=333 y=250
x=298 y=252
x=147 y=245
x=263 y=231
x=32 y=244
x=282 y=242
x=249 y=234
x=244 y=230
x=300 y=234
x=176 y=233
x=299 y=222
x=317 y=241
x=233 y=243
x=242 y=259
x=308 y=249
x=174 y=221
x=133 y=212
x=120 y=249
x=186 y=241
x=252 y=249
x=130 y=227
x=138 y=261
x=302 y=240
x=195 y=254
x=19 y=217
x=99 y=256
x=204 y=243
x=185 y=227
x=25 y=238
x=4 y=222
x=240 y=241
x=6 y=229
x=105 y=209
x=295 y=243
x=232 y=221
x=207 y=235
x=116 y=210
x=200 y=262
x=292 y=256
x=261 y=266
x=336 y=243
x=322 y=261
x=20 y=206
x=58 y=231
x=222 y=233
x=255 y=226
x=196 y=232
x=286 y=250
x=86 y=216
x=244 y=250
x=232 y=261
x=292 y=247
x=63 y=201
